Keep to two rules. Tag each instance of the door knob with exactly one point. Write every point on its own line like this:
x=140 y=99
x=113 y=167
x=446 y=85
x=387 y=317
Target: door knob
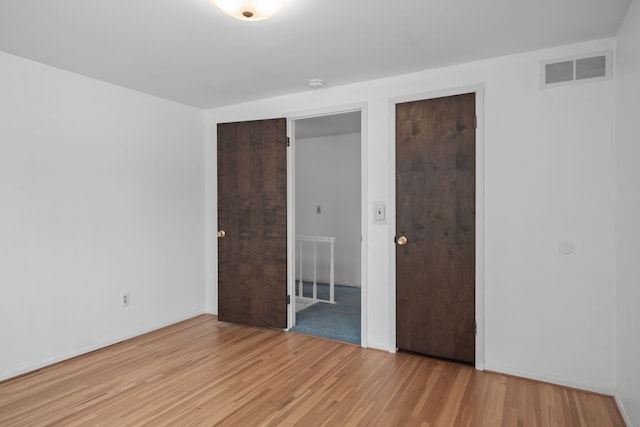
x=401 y=241
x=221 y=233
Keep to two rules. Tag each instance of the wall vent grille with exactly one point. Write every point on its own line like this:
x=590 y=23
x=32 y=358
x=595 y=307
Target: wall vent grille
x=577 y=69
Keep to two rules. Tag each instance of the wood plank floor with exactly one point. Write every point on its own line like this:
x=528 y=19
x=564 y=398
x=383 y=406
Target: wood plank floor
x=206 y=372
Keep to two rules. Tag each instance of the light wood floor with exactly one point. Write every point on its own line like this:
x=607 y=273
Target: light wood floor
x=206 y=372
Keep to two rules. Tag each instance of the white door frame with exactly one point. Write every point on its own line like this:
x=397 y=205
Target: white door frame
x=291 y=236
x=479 y=277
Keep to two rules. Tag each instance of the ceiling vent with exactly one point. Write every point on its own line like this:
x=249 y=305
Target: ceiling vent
x=577 y=69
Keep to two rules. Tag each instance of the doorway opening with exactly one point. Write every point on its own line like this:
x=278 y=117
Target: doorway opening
x=327 y=189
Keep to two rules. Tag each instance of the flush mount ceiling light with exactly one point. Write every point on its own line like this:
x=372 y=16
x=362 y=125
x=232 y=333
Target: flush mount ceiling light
x=250 y=10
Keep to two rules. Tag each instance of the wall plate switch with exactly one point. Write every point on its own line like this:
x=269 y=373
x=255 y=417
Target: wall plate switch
x=379 y=213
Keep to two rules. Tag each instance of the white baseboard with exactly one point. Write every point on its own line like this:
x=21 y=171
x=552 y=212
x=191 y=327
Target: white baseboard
x=608 y=391
x=382 y=347
x=61 y=358
x=625 y=416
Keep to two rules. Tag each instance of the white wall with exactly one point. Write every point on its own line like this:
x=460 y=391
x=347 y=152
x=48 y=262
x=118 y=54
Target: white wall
x=328 y=175
x=627 y=215
x=101 y=191
x=549 y=177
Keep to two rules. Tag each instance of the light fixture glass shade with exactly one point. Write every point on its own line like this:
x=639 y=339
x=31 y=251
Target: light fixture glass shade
x=250 y=10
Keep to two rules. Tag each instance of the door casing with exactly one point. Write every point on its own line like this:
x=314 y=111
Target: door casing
x=479 y=249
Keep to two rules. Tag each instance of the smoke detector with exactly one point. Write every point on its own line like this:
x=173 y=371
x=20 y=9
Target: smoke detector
x=315 y=83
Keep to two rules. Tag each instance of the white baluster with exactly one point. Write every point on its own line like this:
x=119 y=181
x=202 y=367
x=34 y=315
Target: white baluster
x=331 y=273
x=301 y=283
x=315 y=271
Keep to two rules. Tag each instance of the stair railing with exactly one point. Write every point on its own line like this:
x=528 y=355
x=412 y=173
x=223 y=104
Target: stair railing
x=308 y=241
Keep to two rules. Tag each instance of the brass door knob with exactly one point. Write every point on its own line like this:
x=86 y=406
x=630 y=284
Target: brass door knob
x=221 y=233
x=401 y=241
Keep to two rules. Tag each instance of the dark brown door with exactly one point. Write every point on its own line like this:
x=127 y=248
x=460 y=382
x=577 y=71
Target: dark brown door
x=435 y=232
x=252 y=223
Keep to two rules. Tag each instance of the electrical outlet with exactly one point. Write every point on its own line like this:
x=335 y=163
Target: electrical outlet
x=125 y=299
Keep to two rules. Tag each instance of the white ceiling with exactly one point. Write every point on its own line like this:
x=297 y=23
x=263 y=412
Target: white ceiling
x=190 y=52
x=329 y=125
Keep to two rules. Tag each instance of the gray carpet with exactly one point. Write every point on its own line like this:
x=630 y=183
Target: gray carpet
x=339 y=321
